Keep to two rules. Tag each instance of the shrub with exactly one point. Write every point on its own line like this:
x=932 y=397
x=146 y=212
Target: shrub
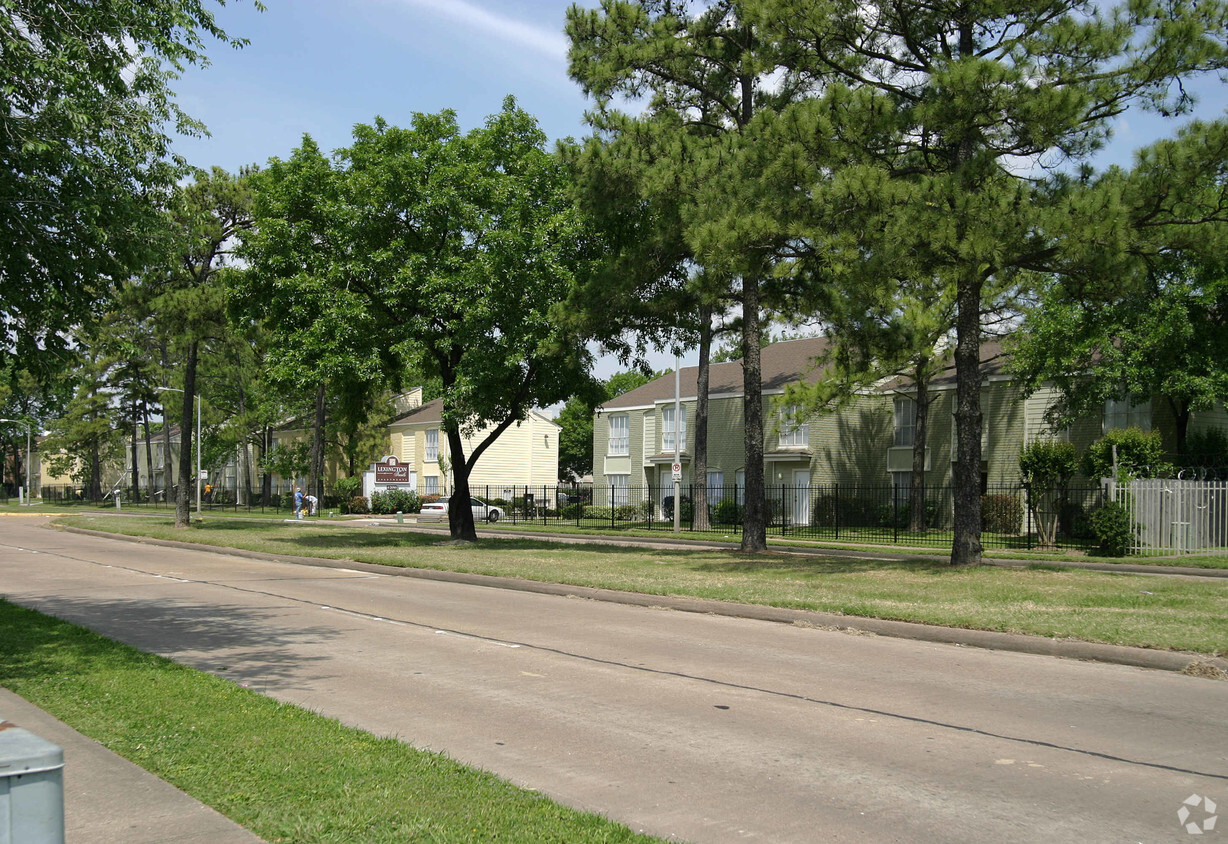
x=850 y=512
x=1206 y=448
x=1048 y=464
x=1112 y=529
x=727 y=512
x=358 y=505
x=571 y=511
x=347 y=488
x=903 y=514
x=429 y=498
x=392 y=500
x=1001 y=514
x=603 y=513
x=686 y=513
x=627 y=512
x=1073 y=521
x=1140 y=454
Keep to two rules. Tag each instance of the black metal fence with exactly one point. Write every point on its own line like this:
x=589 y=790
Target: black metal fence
x=847 y=513
x=853 y=513
x=211 y=500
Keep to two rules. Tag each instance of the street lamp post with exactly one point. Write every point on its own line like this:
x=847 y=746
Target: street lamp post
x=28 y=431
x=177 y=390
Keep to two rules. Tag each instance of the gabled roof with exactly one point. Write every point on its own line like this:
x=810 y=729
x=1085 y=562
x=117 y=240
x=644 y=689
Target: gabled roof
x=780 y=364
x=783 y=363
x=432 y=413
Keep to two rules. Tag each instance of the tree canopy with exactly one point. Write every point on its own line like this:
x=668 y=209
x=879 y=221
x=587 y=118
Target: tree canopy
x=84 y=143
x=445 y=252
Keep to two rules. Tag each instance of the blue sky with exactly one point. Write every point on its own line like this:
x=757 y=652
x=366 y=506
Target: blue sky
x=321 y=66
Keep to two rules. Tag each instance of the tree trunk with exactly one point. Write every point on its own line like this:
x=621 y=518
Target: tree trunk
x=94 y=490
x=1181 y=424
x=136 y=455
x=921 y=377
x=460 y=511
x=754 y=522
x=700 y=496
x=966 y=546
x=315 y=479
x=149 y=463
x=266 y=478
x=182 y=509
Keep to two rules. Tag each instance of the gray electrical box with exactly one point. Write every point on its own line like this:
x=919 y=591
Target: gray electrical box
x=31 y=788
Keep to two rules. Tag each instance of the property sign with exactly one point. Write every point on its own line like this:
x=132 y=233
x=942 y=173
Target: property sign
x=391 y=471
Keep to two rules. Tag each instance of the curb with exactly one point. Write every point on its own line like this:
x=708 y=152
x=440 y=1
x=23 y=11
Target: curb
x=1182 y=662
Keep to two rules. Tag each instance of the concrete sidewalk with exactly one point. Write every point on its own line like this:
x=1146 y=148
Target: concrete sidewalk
x=109 y=800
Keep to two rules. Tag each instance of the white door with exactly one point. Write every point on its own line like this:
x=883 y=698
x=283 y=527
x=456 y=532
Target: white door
x=801 y=497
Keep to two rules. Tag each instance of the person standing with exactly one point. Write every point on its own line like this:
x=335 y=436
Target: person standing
x=298 y=503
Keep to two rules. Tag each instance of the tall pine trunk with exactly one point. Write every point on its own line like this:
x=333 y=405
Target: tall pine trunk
x=966 y=546
x=754 y=522
x=136 y=461
x=182 y=508
x=149 y=463
x=921 y=377
x=700 y=479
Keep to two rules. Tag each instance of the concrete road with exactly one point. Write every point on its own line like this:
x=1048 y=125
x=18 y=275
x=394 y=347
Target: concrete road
x=699 y=728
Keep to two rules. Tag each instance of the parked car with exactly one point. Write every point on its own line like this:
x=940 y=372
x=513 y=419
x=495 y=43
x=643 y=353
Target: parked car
x=482 y=512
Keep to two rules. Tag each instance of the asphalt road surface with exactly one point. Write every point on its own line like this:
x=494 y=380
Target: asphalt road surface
x=691 y=727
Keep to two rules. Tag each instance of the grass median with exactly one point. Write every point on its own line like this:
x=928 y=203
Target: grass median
x=280 y=771
x=1156 y=612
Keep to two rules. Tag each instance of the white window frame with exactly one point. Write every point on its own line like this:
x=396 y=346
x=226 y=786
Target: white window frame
x=620 y=489
x=1124 y=413
x=667 y=428
x=793 y=434
x=716 y=484
x=431 y=451
x=432 y=485
x=904 y=428
x=620 y=435
x=739 y=486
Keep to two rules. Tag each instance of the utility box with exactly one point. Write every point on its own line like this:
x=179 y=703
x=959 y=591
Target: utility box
x=31 y=788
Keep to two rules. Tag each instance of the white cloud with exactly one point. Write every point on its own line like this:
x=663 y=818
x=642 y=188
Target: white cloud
x=548 y=42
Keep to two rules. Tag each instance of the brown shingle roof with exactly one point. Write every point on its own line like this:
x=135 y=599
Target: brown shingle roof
x=780 y=364
x=783 y=363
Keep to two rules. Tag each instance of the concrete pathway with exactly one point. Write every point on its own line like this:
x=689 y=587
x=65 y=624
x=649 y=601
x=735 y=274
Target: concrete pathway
x=109 y=800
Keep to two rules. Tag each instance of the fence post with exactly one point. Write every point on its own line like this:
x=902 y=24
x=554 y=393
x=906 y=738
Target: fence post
x=1027 y=502
x=895 y=514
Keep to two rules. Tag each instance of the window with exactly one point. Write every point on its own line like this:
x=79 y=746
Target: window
x=667 y=428
x=905 y=421
x=739 y=486
x=792 y=432
x=1123 y=413
x=432 y=485
x=620 y=489
x=432 y=446
x=716 y=486
x=620 y=439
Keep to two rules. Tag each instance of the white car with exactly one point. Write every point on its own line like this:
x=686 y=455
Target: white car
x=482 y=512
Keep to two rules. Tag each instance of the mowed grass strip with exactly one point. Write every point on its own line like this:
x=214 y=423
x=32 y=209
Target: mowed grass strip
x=282 y=772
x=1156 y=612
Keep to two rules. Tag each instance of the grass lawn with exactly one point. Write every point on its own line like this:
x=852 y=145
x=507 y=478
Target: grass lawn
x=284 y=773
x=1156 y=612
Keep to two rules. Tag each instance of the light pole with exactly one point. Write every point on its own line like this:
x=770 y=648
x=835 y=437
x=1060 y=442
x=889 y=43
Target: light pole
x=177 y=390
x=28 y=429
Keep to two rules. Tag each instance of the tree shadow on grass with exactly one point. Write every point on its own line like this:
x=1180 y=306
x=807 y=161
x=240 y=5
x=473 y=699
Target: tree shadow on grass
x=240 y=643
x=821 y=565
